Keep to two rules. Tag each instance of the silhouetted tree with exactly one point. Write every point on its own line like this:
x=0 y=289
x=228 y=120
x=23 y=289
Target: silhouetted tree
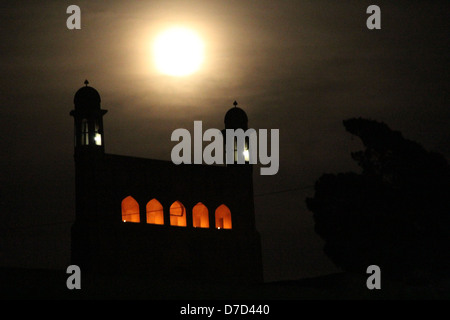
x=395 y=213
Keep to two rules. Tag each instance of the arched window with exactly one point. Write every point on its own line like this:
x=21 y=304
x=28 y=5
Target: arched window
x=84 y=132
x=155 y=213
x=130 y=210
x=200 y=218
x=97 y=135
x=177 y=214
x=223 y=217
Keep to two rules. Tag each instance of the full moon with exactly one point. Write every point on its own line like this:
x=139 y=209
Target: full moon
x=178 y=52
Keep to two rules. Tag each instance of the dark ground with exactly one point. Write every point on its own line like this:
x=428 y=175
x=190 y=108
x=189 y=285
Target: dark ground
x=16 y=283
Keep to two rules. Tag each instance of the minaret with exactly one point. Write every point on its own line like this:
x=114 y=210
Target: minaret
x=89 y=149
x=240 y=174
x=236 y=118
x=88 y=117
x=89 y=154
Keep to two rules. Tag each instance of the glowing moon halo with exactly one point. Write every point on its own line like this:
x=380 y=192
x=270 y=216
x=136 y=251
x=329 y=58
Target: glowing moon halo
x=178 y=52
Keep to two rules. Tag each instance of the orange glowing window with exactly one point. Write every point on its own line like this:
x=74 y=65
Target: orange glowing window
x=155 y=213
x=177 y=214
x=130 y=210
x=200 y=217
x=223 y=217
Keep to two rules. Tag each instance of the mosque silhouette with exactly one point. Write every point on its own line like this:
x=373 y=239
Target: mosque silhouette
x=154 y=219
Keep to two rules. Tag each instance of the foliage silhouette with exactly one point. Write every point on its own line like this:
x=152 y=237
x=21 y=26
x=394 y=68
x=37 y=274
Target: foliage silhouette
x=395 y=213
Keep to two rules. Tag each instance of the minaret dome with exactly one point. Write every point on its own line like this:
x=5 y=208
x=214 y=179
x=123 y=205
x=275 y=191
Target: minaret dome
x=236 y=118
x=87 y=97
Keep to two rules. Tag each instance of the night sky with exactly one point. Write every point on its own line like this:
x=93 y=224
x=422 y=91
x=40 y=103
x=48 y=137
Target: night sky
x=298 y=66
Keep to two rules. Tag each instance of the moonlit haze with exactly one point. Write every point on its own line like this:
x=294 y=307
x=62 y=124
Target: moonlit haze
x=298 y=66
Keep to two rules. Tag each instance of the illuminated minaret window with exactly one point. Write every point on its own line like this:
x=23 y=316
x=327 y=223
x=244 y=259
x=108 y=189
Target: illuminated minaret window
x=97 y=135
